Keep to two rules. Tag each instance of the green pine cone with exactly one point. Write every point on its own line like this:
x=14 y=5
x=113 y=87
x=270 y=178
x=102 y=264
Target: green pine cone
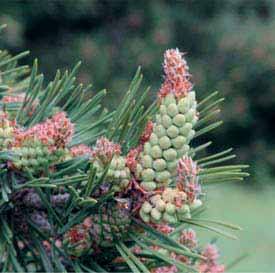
x=111 y=224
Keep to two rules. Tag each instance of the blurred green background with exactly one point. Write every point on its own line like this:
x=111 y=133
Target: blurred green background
x=231 y=48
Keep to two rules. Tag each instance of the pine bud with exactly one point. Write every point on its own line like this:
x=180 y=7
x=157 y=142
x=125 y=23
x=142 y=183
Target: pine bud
x=171 y=219
x=144 y=216
x=163 y=177
x=147 y=161
x=155 y=198
x=160 y=205
x=159 y=164
x=170 y=208
x=178 y=142
x=147 y=148
x=186 y=129
x=164 y=142
x=190 y=115
x=166 y=121
x=148 y=175
x=163 y=109
x=156 y=152
x=179 y=120
x=183 y=151
x=170 y=154
x=172 y=167
x=146 y=207
x=190 y=135
x=172 y=131
x=160 y=131
x=139 y=170
x=172 y=109
x=155 y=214
x=153 y=139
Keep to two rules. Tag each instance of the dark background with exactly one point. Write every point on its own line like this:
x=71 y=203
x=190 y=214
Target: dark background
x=230 y=46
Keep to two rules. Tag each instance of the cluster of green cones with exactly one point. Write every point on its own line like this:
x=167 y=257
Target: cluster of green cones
x=85 y=189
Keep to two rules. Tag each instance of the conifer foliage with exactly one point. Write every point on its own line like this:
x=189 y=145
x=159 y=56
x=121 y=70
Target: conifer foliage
x=87 y=190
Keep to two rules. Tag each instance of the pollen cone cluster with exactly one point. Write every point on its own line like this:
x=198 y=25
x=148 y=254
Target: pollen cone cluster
x=171 y=205
x=173 y=126
x=108 y=154
x=42 y=145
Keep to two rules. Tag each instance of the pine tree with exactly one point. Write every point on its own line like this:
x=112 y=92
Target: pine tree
x=85 y=189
